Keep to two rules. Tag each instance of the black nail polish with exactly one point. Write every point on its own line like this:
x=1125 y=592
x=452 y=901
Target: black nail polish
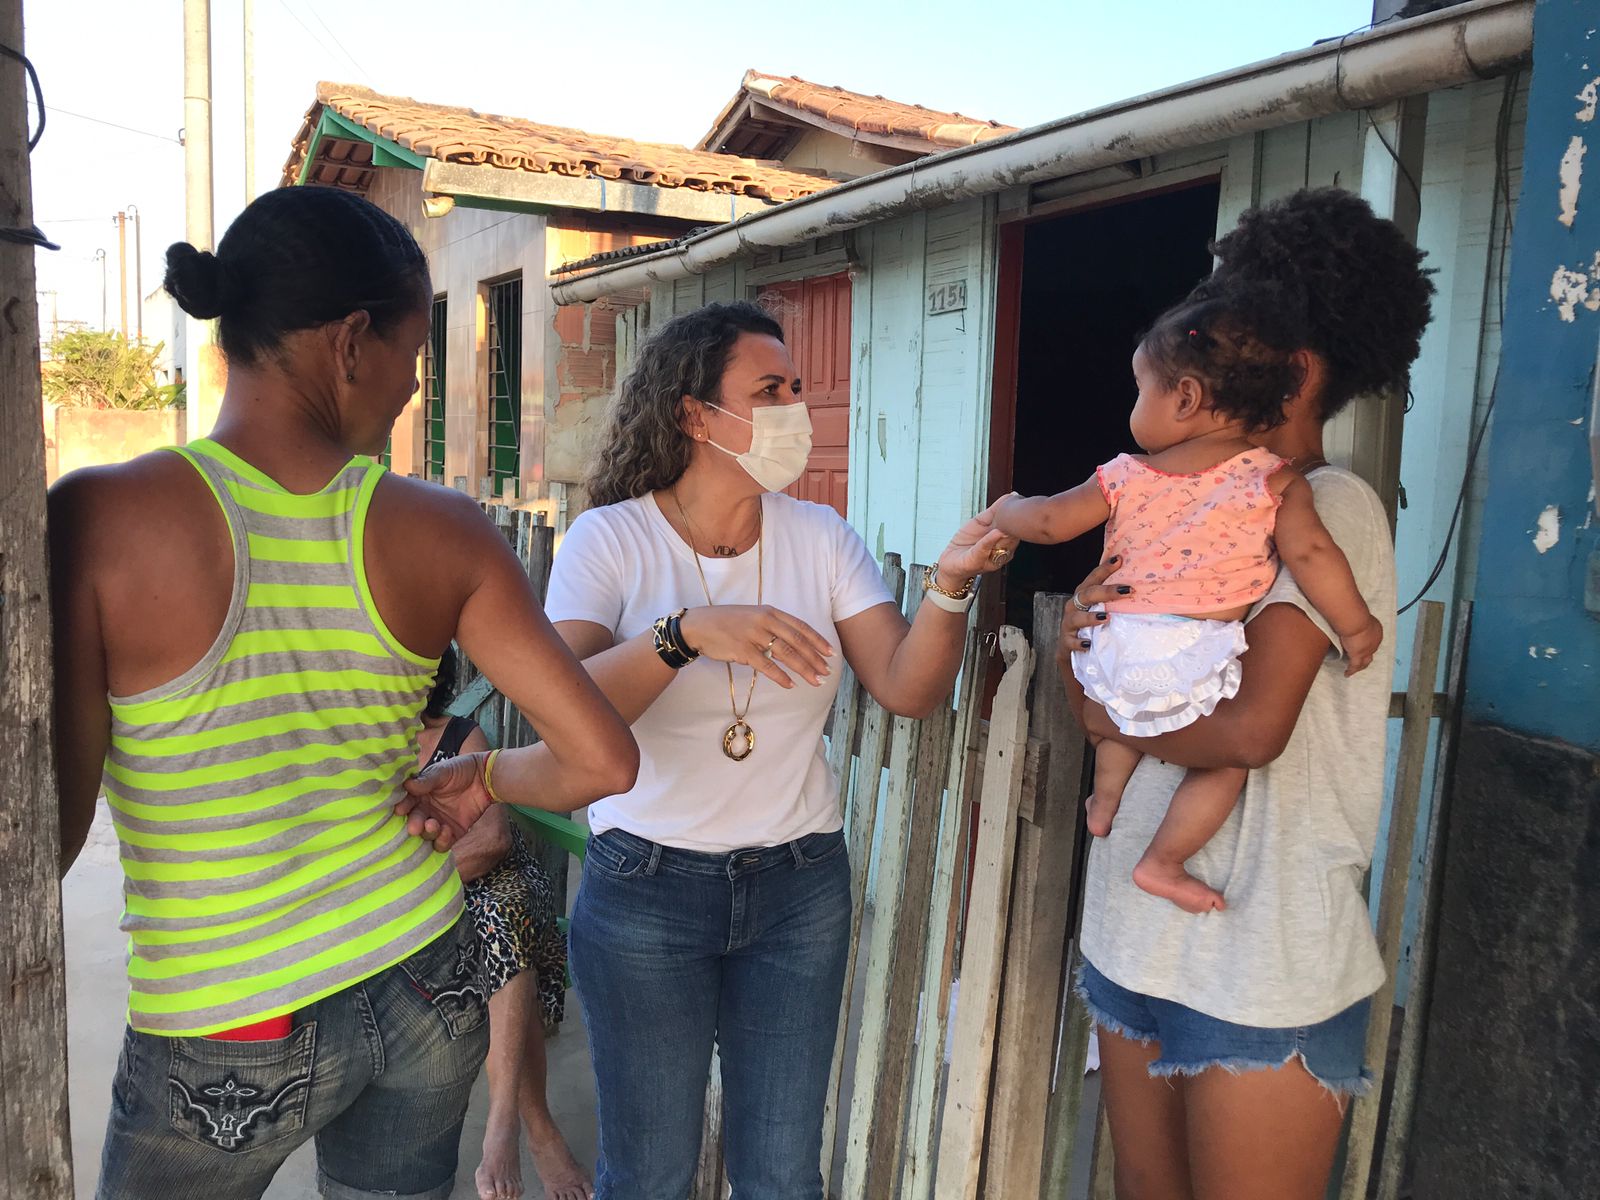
x=1085 y=645
x=1113 y=558
x=1124 y=590
x=1101 y=616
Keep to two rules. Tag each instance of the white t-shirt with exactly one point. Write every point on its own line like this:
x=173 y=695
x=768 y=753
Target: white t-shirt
x=624 y=566
x=1295 y=944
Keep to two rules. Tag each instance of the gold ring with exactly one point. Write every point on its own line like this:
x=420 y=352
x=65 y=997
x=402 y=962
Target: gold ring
x=999 y=555
x=770 y=645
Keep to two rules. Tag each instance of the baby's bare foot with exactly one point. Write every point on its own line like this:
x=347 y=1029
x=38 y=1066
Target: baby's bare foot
x=1171 y=882
x=1102 y=811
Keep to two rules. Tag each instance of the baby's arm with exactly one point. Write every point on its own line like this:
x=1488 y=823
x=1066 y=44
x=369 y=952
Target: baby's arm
x=1323 y=573
x=1050 y=519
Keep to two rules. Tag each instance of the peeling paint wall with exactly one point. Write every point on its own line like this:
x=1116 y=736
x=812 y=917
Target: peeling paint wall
x=1537 y=537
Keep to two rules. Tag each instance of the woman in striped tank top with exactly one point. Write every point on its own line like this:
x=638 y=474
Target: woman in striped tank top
x=244 y=645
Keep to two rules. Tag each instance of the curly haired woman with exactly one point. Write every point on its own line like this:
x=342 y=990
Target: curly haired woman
x=1231 y=1040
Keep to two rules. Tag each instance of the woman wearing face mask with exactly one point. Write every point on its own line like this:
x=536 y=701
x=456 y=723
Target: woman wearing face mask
x=713 y=612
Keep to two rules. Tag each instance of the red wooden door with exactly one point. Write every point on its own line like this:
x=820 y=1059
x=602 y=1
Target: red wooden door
x=815 y=315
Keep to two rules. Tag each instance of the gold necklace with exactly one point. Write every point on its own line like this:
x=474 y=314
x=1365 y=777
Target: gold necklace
x=739 y=739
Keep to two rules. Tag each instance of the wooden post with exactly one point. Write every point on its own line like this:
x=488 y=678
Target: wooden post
x=971 y=1067
x=711 y=1177
x=861 y=819
x=899 y=942
x=945 y=907
x=1102 y=1161
x=1047 y=844
x=35 y=1147
x=1414 y=737
x=1402 y=1102
x=870 y=1110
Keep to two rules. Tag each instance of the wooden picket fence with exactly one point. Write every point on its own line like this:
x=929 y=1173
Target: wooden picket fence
x=959 y=1066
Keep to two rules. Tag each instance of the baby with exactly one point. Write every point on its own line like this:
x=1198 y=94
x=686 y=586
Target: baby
x=1200 y=522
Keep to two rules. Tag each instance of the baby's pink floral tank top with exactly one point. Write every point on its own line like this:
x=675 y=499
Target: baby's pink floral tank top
x=1195 y=543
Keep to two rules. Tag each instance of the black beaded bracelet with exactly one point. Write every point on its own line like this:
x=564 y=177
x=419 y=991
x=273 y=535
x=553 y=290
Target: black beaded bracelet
x=669 y=643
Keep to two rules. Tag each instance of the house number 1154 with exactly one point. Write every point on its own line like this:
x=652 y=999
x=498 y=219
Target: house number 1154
x=947 y=297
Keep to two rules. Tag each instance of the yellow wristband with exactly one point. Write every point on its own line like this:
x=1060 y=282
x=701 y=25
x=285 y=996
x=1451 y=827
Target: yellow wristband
x=488 y=775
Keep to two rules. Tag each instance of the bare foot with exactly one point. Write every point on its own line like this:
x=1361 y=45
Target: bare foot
x=1171 y=882
x=560 y=1173
x=499 y=1176
x=1102 y=812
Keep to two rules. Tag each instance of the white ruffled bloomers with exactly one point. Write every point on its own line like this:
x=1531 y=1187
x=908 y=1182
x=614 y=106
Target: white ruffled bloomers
x=1155 y=673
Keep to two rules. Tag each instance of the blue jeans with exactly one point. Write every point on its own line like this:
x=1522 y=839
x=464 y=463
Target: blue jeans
x=379 y=1073
x=673 y=951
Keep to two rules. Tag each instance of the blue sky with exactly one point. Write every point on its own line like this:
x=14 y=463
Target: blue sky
x=652 y=71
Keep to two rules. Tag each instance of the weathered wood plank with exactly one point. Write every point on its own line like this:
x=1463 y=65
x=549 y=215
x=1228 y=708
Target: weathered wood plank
x=1035 y=764
x=946 y=894
x=1402 y=1102
x=1036 y=941
x=869 y=1108
x=971 y=1068
x=910 y=946
x=1066 y=1101
x=1103 y=1161
x=861 y=816
x=711 y=1176
x=1414 y=738
x=35 y=1147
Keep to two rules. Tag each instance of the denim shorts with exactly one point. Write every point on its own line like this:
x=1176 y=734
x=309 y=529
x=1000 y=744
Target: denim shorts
x=1332 y=1051
x=379 y=1074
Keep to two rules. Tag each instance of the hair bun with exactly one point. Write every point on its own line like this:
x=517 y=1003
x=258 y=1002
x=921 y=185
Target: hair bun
x=196 y=279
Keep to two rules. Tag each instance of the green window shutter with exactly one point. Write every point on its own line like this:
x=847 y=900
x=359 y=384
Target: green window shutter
x=433 y=402
x=505 y=384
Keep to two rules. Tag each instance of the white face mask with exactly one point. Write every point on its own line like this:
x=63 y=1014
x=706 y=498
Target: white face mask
x=780 y=444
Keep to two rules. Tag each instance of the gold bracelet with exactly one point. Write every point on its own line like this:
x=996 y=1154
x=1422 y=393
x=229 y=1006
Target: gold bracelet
x=488 y=775
x=930 y=581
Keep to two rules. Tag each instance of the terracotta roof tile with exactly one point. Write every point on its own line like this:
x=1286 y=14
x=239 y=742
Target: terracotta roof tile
x=461 y=135
x=872 y=115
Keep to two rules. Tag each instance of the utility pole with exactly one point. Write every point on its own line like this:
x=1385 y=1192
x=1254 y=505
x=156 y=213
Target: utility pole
x=100 y=257
x=138 y=273
x=35 y=1144
x=122 y=269
x=199 y=375
x=249 y=100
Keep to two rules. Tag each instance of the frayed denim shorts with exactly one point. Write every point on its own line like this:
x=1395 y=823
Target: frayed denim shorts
x=1191 y=1042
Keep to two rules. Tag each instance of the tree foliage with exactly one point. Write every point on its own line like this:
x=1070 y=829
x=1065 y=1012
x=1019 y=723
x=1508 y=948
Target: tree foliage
x=90 y=369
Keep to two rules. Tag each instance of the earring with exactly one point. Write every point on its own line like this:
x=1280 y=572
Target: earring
x=350 y=376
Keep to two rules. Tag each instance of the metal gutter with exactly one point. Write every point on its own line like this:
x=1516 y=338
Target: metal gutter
x=1401 y=58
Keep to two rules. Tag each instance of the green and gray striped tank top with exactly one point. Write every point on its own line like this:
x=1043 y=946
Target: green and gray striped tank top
x=254 y=795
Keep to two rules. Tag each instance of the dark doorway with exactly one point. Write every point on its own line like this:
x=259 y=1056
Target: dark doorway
x=1082 y=289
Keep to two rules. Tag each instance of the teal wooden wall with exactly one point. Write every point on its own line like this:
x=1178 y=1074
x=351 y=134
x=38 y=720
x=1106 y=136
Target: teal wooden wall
x=920 y=383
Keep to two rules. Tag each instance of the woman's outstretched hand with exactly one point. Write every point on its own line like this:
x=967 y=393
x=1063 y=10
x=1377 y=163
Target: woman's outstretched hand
x=446 y=800
x=759 y=636
x=976 y=549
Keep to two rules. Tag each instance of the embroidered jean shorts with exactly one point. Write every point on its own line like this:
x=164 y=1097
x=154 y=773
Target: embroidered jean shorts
x=1191 y=1042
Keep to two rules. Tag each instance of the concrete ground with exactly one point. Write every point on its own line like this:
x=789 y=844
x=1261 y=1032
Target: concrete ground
x=97 y=989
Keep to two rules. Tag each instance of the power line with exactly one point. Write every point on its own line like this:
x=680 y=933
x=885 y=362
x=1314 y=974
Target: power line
x=57 y=110
x=312 y=34
x=338 y=43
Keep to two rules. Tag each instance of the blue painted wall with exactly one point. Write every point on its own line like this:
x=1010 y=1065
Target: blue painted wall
x=1534 y=664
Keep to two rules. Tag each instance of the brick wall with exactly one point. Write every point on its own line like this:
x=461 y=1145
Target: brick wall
x=586 y=356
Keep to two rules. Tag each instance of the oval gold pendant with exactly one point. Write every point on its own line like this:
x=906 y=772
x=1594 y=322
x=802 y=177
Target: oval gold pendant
x=739 y=741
